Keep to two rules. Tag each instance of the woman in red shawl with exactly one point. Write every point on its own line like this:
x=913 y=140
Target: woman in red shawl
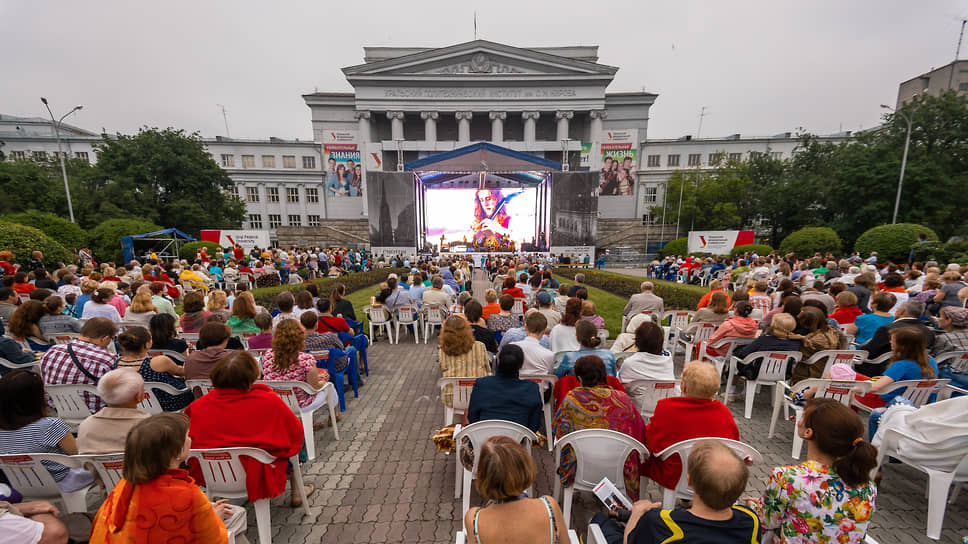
x=240 y=413
x=156 y=501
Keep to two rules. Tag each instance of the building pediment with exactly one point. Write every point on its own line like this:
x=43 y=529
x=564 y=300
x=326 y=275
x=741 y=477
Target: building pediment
x=479 y=59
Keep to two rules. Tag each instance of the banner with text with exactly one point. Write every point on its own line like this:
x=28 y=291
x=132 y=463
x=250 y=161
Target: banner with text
x=719 y=242
x=248 y=239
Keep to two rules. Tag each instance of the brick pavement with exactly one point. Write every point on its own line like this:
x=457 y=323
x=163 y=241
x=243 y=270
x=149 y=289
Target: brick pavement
x=385 y=482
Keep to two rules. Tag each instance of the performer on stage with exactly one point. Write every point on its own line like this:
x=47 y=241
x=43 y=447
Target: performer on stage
x=490 y=217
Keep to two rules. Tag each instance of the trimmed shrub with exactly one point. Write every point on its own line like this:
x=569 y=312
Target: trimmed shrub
x=105 y=239
x=61 y=230
x=891 y=242
x=955 y=251
x=759 y=249
x=23 y=240
x=805 y=242
x=266 y=296
x=677 y=296
x=679 y=246
x=189 y=250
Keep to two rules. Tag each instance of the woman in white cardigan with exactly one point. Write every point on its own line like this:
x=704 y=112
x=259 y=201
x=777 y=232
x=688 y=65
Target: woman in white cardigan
x=650 y=362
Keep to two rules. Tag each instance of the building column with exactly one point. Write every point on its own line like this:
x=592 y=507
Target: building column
x=364 y=120
x=530 y=120
x=464 y=125
x=597 y=117
x=563 y=117
x=497 y=125
x=396 y=125
x=430 y=125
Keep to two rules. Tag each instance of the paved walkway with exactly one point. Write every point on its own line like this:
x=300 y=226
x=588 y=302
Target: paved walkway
x=385 y=482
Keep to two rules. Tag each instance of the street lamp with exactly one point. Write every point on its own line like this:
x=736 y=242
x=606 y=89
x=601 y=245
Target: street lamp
x=907 y=142
x=60 y=152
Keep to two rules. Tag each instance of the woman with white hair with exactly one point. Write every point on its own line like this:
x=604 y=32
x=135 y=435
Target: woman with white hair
x=104 y=432
x=626 y=340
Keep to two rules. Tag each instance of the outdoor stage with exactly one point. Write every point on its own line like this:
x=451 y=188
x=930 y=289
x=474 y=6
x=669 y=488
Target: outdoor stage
x=483 y=200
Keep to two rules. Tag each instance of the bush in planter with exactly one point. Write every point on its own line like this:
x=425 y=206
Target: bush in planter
x=677 y=296
x=679 y=246
x=891 y=242
x=22 y=240
x=805 y=242
x=759 y=249
x=189 y=250
x=59 y=229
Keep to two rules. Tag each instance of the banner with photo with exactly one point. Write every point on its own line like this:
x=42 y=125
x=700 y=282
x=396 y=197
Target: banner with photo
x=617 y=176
x=344 y=170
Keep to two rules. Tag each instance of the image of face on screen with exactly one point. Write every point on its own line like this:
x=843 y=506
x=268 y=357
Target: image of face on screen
x=481 y=216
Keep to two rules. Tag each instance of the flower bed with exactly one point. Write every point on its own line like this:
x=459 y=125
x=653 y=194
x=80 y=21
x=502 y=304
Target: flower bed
x=677 y=296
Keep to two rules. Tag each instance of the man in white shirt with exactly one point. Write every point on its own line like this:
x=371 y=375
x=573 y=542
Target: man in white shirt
x=537 y=359
x=646 y=301
x=436 y=295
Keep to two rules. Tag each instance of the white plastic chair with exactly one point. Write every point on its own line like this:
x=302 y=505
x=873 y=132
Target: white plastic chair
x=434 y=316
x=190 y=338
x=830 y=357
x=699 y=333
x=150 y=403
x=62 y=337
x=461 y=537
x=599 y=453
x=517 y=310
x=957 y=360
x=287 y=391
x=683 y=491
x=173 y=355
x=376 y=314
x=545 y=382
x=646 y=393
x=461 y=395
x=939 y=482
x=32 y=366
x=730 y=344
x=678 y=319
x=405 y=317
x=603 y=335
x=32 y=479
x=917 y=391
x=68 y=400
x=773 y=369
x=203 y=385
x=841 y=391
x=477 y=433
x=225 y=477
x=109 y=467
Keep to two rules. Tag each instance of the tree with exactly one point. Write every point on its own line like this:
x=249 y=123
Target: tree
x=711 y=199
x=106 y=237
x=59 y=228
x=169 y=179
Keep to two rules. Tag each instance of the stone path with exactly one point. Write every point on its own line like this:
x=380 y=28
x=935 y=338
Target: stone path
x=385 y=482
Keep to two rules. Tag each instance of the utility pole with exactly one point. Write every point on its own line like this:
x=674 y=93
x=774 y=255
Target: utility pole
x=225 y=117
x=961 y=35
x=702 y=113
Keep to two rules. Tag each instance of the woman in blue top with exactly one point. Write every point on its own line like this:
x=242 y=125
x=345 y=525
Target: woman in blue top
x=588 y=337
x=910 y=361
x=866 y=325
x=135 y=343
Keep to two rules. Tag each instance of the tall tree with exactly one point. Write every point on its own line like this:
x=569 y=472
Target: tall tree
x=711 y=199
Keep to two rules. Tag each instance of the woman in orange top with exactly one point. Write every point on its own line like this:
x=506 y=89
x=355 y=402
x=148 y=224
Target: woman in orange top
x=492 y=307
x=714 y=286
x=156 y=501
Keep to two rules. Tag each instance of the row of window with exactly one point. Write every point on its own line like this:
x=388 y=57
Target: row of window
x=42 y=155
x=695 y=159
x=268 y=161
x=275 y=220
x=272 y=194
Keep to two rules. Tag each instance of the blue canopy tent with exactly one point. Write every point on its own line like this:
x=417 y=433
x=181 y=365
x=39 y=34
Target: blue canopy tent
x=171 y=238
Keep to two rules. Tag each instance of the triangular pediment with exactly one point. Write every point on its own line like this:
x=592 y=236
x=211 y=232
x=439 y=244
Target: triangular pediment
x=479 y=59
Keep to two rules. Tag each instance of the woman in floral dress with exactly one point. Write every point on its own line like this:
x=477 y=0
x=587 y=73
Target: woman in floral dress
x=287 y=361
x=829 y=498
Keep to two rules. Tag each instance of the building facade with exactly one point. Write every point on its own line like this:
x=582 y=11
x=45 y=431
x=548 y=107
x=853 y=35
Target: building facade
x=953 y=76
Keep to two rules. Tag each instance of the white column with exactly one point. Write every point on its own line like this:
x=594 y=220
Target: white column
x=364 y=120
x=464 y=125
x=530 y=119
x=497 y=125
x=430 y=125
x=396 y=125
x=563 y=117
x=597 y=117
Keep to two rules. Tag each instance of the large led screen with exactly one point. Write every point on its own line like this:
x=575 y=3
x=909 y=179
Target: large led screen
x=480 y=218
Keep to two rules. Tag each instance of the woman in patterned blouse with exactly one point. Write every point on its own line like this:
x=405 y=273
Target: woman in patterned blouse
x=830 y=497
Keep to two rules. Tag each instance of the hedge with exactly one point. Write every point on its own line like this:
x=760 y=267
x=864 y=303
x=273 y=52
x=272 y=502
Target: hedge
x=22 y=240
x=804 y=243
x=61 y=230
x=891 y=242
x=266 y=296
x=760 y=249
x=677 y=296
x=679 y=246
x=105 y=239
x=189 y=250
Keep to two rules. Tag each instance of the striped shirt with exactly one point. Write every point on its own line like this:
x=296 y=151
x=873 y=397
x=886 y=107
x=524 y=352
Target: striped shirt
x=41 y=436
x=58 y=368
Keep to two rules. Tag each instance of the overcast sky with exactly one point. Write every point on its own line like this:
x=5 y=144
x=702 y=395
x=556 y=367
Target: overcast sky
x=759 y=67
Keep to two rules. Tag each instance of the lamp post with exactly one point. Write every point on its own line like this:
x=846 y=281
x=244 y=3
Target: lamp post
x=60 y=152
x=907 y=143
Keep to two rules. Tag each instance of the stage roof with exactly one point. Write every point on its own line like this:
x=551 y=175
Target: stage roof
x=482 y=157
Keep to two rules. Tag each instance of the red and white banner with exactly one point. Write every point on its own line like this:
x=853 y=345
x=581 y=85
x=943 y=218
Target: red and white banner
x=248 y=239
x=719 y=242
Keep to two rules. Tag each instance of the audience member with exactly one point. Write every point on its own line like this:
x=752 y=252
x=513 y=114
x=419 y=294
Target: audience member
x=105 y=431
x=199 y=364
x=505 y=395
x=287 y=361
x=142 y=307
x=459 y=355
x=820 y=336
x=13 y=352
x=503 y=320
x=538 y=359
x=906 y=316
x=953 y=321
x=195 y=314
x=740 y=325
x=263 y=340
x=646 y=301
x=491 y=307
x=8 y=303
x=625 y=342
x=545 y=307
x=473 y=312
x=866 y=324
x=321 y=341
x=83 y=360
x=32 y=522
x=563 y=336
x=25 y=322
x=716 y=311
x=135 y=344
x=165 y=337
x=242 y=319
x=161 y=302
x=649 y=362
x=329 y=322
x=436 y=296
x=589 y=341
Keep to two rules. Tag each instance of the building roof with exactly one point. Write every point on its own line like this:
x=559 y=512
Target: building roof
x=482 y=156
x=12 y=126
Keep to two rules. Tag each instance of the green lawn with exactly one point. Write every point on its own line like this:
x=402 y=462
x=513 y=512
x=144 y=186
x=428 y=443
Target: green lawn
x=609 y=306
x=361 y=298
